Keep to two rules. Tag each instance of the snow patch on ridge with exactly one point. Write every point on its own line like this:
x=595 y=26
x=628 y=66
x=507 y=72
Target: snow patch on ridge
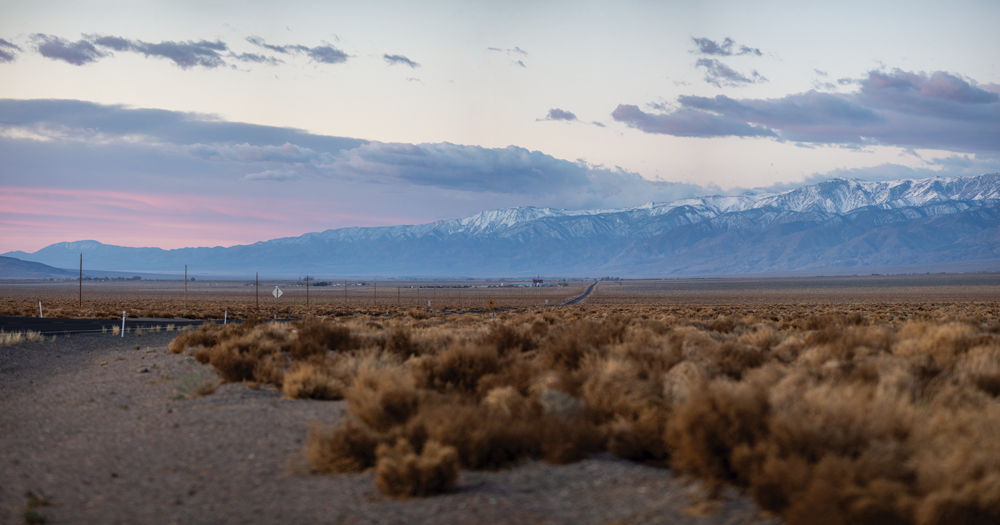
x=835 y=196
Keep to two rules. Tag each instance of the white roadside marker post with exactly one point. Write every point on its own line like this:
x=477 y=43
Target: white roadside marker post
x=123 y=323
x=40 y=310
x=276 y=293
x=225 y=317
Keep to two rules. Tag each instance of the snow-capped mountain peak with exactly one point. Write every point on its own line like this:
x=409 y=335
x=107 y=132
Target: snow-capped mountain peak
x=836 y=196
x=835 y=223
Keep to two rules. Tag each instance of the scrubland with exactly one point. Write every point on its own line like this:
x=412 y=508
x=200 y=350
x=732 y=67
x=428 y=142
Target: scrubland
x=238 y=300
x=868 y=412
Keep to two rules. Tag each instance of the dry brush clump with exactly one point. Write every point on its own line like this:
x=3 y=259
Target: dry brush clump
x=13 y=338
x=850 y=417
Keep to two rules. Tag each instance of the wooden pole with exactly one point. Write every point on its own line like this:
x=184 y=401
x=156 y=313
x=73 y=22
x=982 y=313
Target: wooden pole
x=81 y=280
x=398 y=300
x=375 y=293
x=307 y=291
x=256 y=290
x=185 y=289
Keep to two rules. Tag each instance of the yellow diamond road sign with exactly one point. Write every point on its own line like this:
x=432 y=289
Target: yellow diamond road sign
x=277 y=292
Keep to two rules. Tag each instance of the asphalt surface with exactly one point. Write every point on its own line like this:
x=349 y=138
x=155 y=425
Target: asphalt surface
x=582 y=296
x=79 y=326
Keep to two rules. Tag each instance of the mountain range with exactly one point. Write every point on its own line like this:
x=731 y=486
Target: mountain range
x=840 y=224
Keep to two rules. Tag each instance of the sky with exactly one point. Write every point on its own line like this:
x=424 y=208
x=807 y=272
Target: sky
x=177 y=124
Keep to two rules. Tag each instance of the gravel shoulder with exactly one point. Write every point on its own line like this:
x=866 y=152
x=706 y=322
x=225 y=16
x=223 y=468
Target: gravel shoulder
x=110 y=433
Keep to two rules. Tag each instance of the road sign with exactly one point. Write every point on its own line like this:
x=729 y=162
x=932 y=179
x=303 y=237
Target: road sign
x=277 y=292
x=491 y=304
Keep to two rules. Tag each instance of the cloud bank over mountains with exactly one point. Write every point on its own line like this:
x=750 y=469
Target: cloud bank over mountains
x=136 y=157
x=193 y=179
x=66 y=143
x=900 y=108
x=63 y=132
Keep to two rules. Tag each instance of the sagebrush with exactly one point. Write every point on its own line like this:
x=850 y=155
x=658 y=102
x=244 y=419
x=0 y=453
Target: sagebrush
x=856 y=416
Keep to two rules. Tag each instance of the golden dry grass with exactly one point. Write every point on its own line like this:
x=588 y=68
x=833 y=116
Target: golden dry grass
x=12 y=338
x=860 y=414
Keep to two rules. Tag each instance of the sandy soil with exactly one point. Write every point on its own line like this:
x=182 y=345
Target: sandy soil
x=100 y=429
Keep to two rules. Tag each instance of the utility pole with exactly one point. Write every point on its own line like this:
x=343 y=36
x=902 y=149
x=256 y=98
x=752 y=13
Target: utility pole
x=185 y=289
x=345 y=291
x=256 y=290
x=307 y=291
x=398 y=300
x=375 y=293
x=81 y=280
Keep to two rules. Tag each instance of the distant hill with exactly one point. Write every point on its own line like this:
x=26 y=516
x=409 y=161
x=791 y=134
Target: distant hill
x=11 y=268
x=836 y=226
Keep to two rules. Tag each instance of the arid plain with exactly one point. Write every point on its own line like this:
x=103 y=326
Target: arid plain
x=866 y=399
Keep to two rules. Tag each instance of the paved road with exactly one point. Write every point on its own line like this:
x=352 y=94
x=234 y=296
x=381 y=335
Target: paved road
x=79 y=326
x=581 y=297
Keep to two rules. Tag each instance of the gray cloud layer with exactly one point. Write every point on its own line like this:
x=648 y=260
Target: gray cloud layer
x=256 y=58
x=686 y=122
x=85 y=143
x=77 y=53
x=267 y=176
x=559 y=114
x=896 y=108
x=399 y=59
x=325 y=54
x=719 y=74
x=7 y=51
x=511 y=52
x=184 y=54
x=516 y=50
x=726 y=48
x=56 y=117
x=94 y=47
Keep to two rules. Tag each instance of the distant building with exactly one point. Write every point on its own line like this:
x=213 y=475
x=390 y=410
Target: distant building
x=537 y=281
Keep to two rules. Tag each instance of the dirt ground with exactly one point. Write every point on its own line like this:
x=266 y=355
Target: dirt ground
x=102 y=429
